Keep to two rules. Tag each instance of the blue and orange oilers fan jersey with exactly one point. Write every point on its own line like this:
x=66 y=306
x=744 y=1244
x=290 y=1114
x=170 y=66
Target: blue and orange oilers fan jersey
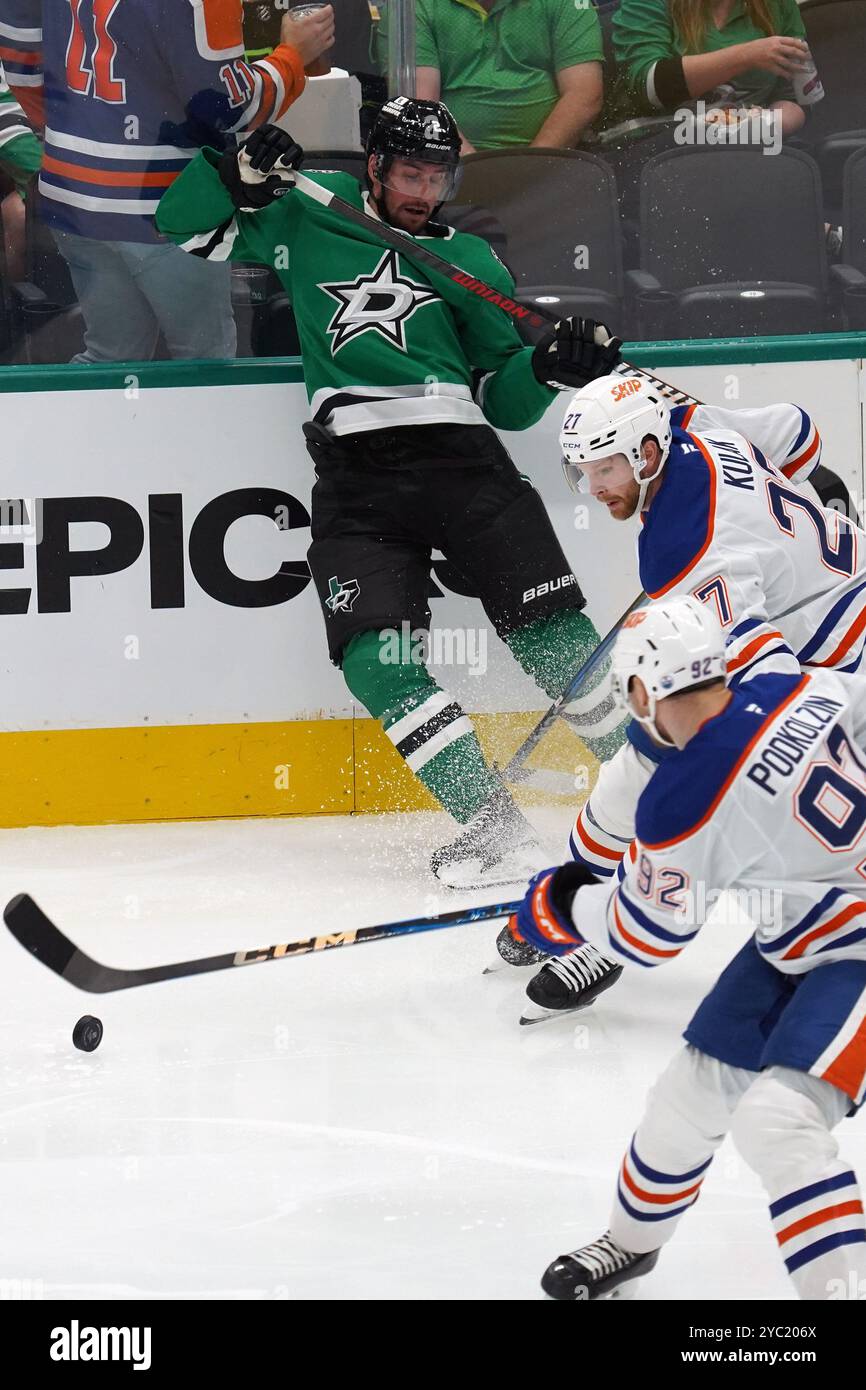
x=131 y=91
x=732 y=525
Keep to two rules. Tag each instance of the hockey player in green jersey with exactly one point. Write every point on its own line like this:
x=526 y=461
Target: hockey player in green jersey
x=406 y=373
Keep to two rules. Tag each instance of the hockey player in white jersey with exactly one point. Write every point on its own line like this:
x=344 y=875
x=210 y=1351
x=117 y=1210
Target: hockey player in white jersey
x=766 y=793
x=724 y=518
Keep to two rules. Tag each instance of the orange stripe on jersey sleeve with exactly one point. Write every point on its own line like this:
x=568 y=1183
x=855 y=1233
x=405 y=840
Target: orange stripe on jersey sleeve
x=687 y=418
x=33 y=59
x=750 y=650
x=601 y=850
x=746 y=753
x=711 y=523
x=633 y=940
x=839 y=920
x=797 y=462
x=290 y=66
x=846 y=644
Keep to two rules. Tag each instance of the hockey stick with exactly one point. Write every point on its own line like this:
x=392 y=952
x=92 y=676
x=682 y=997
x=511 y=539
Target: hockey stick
x=535 y=317
x=514 y=770
x=38 y=935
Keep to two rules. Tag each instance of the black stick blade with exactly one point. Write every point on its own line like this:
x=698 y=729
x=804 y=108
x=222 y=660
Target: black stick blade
x=38 y=935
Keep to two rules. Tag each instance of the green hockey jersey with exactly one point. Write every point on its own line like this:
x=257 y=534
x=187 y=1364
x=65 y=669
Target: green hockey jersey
x=20 y=151
x=384 y=342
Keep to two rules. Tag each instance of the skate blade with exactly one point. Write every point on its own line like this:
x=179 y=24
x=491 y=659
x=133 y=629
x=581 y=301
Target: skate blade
x=624 y=1292
x=534 y=1013
x=497 y=966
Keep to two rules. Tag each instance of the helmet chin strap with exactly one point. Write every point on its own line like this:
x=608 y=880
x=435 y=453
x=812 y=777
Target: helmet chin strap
x=644 y=483
x=649 y=722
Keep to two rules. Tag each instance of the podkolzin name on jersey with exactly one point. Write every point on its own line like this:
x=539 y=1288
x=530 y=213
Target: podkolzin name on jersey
x=782 y=753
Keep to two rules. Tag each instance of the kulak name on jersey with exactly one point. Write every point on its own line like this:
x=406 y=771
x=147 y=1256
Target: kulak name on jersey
x=785 y=575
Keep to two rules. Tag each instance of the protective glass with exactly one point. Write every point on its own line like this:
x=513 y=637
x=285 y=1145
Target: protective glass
x=598 y=475
x=422 y=179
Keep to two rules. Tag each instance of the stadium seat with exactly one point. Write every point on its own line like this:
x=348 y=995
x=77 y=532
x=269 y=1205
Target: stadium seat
x=45 y=324
x=850 y=276
x=836 y=31
x=558 y=210
x=732 y=242
x=274 y=331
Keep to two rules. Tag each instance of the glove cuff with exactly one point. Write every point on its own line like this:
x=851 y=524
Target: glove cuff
x=564 y=886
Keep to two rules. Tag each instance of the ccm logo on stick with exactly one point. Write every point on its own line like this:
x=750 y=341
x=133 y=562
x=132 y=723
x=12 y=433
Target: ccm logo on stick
x=57 y=563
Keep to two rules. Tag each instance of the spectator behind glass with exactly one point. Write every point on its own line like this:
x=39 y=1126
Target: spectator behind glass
x=512 y=72
x=262 y=20
x=20 y=157
x=675 y=51
x=130 y=96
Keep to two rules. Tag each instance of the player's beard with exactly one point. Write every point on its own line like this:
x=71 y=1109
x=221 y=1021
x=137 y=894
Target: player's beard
x=400 y=218
x=626 y=503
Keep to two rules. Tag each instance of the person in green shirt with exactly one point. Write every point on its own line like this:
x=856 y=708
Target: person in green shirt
x=512 y=72
x=20 y=158
x=673 y=52
x=406 y=373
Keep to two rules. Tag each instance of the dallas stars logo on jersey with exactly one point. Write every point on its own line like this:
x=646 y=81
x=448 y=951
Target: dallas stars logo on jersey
x=381 y=302
x=343 y=593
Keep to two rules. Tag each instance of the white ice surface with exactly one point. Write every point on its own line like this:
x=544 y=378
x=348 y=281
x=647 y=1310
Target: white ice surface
x=367 y=1124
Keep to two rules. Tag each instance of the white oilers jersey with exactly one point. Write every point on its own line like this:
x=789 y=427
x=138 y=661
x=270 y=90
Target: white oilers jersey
x=768 y=798
x=784 y=433
x=786 y=576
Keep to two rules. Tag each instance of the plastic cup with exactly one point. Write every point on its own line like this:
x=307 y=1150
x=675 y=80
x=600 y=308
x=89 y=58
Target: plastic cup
x=322 y=65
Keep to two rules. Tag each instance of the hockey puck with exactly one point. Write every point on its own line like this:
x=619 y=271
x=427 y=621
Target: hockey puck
x=87 y=1033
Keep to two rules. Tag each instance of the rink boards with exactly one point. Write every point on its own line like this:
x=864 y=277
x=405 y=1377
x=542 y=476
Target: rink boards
x=163 y=651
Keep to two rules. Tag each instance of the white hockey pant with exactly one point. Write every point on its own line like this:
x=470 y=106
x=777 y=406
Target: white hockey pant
x=780 y=1121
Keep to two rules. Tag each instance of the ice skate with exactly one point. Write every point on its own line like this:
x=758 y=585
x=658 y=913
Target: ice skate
x=512 y=952
x=566 y=984
x=498 y=846
x=599 y=1270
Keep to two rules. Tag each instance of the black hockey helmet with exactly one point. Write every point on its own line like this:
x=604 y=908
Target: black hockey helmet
x=408 y=128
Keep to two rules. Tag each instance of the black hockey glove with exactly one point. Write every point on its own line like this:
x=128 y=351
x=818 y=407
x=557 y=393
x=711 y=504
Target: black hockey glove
x=544 y=917
x=574 y=352
x=262 y=169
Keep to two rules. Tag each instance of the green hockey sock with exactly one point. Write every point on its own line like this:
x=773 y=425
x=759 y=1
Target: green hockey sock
x=552 y=650
x=429 y=730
